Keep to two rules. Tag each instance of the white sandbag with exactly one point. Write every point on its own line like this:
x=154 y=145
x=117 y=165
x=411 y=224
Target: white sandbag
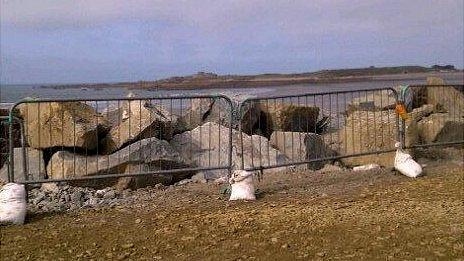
x=13 y=204
x=405 y=164
x=372 y=166
x=242 y=186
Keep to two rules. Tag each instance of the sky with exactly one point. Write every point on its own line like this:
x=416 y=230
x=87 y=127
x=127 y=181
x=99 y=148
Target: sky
x=76 y=41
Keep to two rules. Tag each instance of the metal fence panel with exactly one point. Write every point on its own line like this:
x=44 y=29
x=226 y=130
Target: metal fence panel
x=94 y=139
x=308 y=129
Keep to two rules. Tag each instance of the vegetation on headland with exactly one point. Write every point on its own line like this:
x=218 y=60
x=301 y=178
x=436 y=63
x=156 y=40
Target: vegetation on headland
x=212 y=80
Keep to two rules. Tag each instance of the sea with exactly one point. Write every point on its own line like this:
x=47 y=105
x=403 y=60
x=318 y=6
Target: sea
x=15 y=93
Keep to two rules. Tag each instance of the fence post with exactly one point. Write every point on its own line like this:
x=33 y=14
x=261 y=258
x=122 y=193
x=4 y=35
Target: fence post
x=231 y=118
x=23 y=148
x=11 y=147
x=401 y=124
x=240 y=114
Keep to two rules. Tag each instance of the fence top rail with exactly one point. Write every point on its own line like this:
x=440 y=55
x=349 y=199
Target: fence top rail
x=318 y=94
x=160 y=97
x=6 y=105
x=436 y=85
x=163 y=97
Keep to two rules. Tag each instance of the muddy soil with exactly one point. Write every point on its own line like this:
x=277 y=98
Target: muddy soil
x=343 y=215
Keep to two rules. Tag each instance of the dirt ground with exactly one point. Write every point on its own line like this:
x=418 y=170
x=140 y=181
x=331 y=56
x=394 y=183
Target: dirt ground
x=342 y=215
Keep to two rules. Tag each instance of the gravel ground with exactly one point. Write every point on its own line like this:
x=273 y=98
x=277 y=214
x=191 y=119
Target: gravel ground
x=304 y=215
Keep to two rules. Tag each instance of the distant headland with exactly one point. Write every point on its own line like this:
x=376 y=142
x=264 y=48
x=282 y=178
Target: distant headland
x=205 y=80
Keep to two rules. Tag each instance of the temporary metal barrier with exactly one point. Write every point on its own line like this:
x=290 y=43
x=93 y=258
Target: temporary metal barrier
x=312 y=128
x=91 y=139
x=94 y=139
x=439 y=113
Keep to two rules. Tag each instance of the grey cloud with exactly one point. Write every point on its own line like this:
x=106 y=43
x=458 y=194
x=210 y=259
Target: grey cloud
x=299 y=15
x=247 y=36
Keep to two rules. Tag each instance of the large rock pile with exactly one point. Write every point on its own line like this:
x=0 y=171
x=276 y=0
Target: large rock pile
x=72 y=140
x=139 y=119
x=208 y=145
x=148 y=154
x=62 y=124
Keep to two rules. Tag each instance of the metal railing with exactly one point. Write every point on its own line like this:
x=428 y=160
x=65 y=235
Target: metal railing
x=171 y=138
x=93 y=139
x=313 y=128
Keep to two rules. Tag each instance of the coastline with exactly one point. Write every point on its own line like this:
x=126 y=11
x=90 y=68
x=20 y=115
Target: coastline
x=195 y=82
